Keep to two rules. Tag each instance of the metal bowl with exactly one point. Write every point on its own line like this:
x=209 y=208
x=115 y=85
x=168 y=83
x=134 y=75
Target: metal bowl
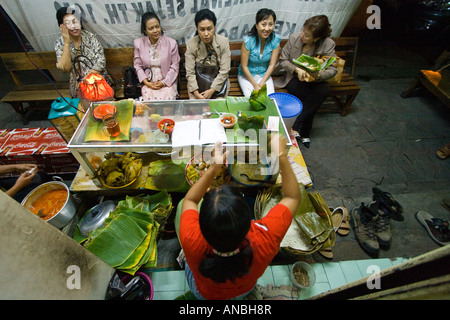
x=63 y=217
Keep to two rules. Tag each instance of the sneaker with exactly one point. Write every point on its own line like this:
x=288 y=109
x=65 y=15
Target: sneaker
x=382 y=225
x=363 y=222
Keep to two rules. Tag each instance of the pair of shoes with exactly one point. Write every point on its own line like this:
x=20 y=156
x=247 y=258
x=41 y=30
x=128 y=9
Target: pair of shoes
x=372 y=227
x=388 y=204
x=437 y=228
x=341 y=220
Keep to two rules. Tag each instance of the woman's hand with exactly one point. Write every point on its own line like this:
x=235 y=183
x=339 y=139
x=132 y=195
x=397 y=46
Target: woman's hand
x=208 y=93
x=205 y=94
x=64 y=33
x=219 y=156
x=301 y=74
x=154 y=85
x=257 y=86
x=26 y=167
x=24 y=179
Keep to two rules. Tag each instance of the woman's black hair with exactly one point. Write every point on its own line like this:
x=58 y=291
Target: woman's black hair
x=60 y=13
x=262 y=14
x=319 y=26
x=147 y=16
x=205 y=14
x=225 y=220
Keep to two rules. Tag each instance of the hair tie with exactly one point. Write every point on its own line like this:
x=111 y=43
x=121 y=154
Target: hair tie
x=226 y=254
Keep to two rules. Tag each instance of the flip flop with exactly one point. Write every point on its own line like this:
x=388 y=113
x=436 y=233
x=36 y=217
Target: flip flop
x=443 y=153
x=326 y=253
x=437 y=228
x=341 y=220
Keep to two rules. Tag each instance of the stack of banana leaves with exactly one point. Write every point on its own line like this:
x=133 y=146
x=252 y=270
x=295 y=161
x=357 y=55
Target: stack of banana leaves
x=127 y=241
x=311 y=228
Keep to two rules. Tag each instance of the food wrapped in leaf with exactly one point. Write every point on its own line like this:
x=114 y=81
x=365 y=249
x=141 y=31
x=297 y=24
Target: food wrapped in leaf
x=258 y=99
x=253 y=122
x=118 y=170
x=115 y=178
x=312 y=64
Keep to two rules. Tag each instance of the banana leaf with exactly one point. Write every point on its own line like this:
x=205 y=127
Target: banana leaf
x=306 y=217
x=258 y=99
x=311 y=64
x=117 y=241
x=152 y=259
x=164 y=174
x=135 y=259
x=251 y=122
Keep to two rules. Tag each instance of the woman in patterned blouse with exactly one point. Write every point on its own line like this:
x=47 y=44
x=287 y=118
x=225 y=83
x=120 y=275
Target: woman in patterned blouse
x=75 y=41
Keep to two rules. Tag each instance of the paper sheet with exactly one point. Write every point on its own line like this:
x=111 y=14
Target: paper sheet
x=197 y=132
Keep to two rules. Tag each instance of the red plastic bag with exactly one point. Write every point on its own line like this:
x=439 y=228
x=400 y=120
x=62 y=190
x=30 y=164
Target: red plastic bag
x=95 y=88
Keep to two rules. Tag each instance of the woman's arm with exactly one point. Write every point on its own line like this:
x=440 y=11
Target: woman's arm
x=171 y=77
x=64 y=63
x=189 y=61
x=245 y=55
x=272 y=63
x=289 y=183
x=198 y=190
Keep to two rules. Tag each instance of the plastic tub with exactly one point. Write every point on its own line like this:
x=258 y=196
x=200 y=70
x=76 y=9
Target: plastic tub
x=290 y=107
x=305 y=267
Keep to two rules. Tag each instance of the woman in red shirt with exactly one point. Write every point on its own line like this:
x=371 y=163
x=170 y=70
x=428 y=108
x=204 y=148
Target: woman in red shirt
x=226 y=252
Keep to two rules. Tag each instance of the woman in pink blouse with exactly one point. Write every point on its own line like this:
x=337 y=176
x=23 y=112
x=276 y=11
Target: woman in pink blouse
x=156 y=60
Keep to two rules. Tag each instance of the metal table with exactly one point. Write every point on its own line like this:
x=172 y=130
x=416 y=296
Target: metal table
x=143 y=130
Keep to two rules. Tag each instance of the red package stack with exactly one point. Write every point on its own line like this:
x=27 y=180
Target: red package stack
x=42 y=146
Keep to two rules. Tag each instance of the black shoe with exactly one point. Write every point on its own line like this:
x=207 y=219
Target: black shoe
x=306 y=142
x=388 y=204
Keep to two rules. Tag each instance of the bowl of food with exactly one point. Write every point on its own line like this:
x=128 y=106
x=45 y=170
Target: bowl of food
x=52 y=202
x=228 y=120
x=166 y=125
x=197 y=167
x=302 y=275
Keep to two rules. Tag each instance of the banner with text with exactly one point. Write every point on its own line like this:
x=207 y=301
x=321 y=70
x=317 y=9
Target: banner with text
x=117 y=23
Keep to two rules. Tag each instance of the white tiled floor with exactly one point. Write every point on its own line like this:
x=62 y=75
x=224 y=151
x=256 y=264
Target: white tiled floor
x=169 y=285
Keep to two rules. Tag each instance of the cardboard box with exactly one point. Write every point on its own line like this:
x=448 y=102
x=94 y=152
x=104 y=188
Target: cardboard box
x=42 y=146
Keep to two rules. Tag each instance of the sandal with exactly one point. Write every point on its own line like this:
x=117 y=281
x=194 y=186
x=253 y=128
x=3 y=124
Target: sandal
x=437 y=228
x=443 y=153
x=327 y=253
x=388 y=204
x=341 y=221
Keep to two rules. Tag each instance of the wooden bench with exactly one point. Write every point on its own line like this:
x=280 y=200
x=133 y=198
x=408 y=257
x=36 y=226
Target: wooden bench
x=437 y=80
x=341 y=95
x=118 y=59
x=24 y=92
